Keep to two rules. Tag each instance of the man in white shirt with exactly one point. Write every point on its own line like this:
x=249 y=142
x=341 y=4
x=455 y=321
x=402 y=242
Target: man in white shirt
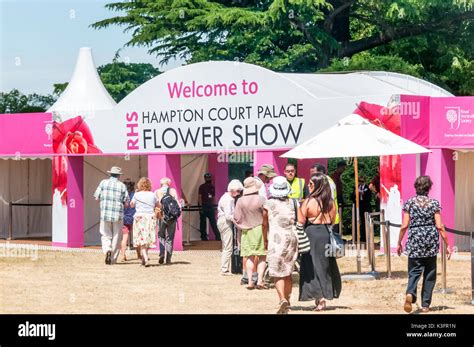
x=225 y=214
x=264 y=175
x=113 y=196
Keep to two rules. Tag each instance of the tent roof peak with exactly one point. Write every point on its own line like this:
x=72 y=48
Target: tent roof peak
x=85 y=92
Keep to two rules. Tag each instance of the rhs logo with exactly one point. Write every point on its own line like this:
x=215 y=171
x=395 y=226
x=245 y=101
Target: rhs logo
x=453 y=117
x=48 y=129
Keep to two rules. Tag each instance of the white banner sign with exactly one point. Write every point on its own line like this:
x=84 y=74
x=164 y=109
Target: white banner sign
x=207 y=107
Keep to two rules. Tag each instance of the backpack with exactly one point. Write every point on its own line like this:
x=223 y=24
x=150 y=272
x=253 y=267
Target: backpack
x=170 y=208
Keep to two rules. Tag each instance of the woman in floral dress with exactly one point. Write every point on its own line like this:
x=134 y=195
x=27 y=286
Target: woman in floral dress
x=422 y=219
x=279 y=218
x=144 y=222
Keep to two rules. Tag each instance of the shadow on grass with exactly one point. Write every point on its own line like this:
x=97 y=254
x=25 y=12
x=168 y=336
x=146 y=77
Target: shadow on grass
x=311 y=308
x=433 y=309
x=153 y=264
x=382 y=274
x=172 y=263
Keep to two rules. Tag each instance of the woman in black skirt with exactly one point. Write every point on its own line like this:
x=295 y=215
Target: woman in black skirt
x=320 y=279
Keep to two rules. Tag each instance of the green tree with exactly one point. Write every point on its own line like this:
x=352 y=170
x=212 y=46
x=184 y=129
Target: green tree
x=367 y=169
x=306 y=35
x=16 y=102
x=368 y=61
x=120 y=79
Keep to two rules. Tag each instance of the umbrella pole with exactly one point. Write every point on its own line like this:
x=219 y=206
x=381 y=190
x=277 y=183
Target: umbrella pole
x=356 y=175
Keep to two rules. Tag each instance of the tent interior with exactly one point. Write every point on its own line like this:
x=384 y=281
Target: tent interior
x=95 y=170
x=26 y=181
x=464 y=203
x=29 y=180
x=193 y=167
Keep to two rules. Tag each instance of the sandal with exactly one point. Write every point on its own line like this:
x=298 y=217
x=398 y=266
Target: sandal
x=425 y=309
x=321 y=306
x=262 y=286
x=283 y=307
x=250 y=287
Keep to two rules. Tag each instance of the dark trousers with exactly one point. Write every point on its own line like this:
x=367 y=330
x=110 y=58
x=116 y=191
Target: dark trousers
x=208 y=212
x=166 y=238
x=417 y=267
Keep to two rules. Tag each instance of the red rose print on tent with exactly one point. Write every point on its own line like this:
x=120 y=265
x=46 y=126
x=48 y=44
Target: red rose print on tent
x=73 y=136
x=60 y=177
x=390 y=165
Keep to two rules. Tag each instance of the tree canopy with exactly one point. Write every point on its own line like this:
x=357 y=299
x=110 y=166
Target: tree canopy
x=16 y=102
x=432 y=39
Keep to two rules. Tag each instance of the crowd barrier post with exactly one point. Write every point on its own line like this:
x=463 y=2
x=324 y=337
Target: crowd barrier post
x=472 y=268
x=354 y=241
x=385 y=231
x=372 y=245
x=443 y=267
x=444 y=260
x=340 y=221
x=10 y=224
x=367 y=227
x=188 y=234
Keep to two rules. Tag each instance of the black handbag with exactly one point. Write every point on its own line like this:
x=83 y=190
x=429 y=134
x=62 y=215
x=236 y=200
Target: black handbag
x=236 y=259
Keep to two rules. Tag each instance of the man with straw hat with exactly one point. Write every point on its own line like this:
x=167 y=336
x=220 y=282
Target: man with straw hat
x=113 y=196
x=264 y=175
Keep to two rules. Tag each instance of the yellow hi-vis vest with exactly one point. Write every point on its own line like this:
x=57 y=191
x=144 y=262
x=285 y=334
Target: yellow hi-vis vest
x=334 y=197
x=297 y=189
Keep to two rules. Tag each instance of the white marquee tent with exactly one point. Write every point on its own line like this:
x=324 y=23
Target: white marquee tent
x=336 y=94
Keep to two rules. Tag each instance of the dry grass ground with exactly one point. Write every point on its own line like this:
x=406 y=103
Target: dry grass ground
x=60 y=282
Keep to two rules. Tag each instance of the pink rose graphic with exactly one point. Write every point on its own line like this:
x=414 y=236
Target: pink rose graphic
x=73 y=136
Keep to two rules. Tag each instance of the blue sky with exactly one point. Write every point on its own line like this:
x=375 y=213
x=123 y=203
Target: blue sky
x=40 y=40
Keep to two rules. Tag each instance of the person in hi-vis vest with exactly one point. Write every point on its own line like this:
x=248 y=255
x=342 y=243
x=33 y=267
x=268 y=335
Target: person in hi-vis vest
x=299 y=190
x=320 y=168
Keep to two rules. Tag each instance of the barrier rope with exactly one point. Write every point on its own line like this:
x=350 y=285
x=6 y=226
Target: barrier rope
x=194 y=208
x=449 y=230
x=17 y=204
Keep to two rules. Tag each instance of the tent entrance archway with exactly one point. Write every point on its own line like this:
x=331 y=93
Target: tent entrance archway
x=25 y=198
x=95 y=170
